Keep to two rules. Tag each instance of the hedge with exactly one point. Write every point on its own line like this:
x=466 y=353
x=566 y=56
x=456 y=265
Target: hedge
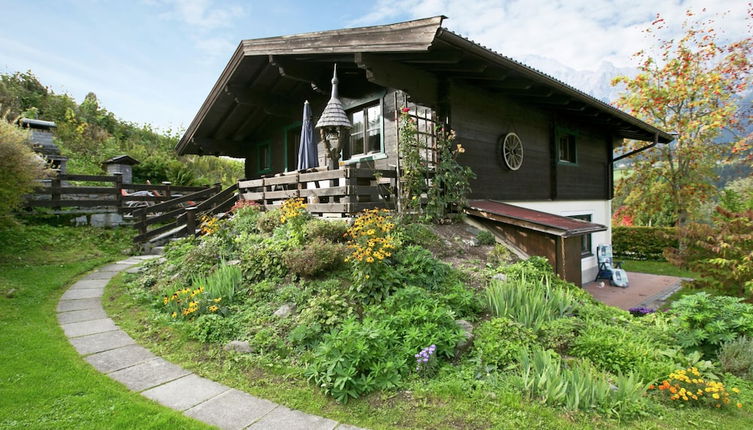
x=643 y=243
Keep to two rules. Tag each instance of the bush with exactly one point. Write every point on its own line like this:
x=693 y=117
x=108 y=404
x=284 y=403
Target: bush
x=643 y=243
x=500 y=341
x=705 y=322
x=213 y=328
x=268 y=221
x=314 y=258
x=323 y=312
x=612 y=349
x=736 y=357
x=330 y=231
x=372 y=240
x=500 y=255
x=413 y=233
x=416 y=266
x=261 y=258
x=559 y=334
x=689 y=386
x=222 y=283
x=358 y=358
x=20 y=168
x=484 y=237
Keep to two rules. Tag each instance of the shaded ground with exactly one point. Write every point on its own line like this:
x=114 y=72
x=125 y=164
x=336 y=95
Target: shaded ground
x=644 y=290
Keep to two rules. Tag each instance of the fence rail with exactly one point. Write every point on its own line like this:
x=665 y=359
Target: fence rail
x=342 y=192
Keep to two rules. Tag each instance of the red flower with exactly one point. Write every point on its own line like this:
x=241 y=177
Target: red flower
x=405 y=110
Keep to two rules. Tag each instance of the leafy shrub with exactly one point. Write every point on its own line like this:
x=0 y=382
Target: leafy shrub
x=682 y=359
x=417 y=267
x=330 y=231
x=705 y=322
x=736 y=357
x=267 y=340
x=611 y=348
x=499 y=255
x=643 y=243
x=213 y=328
x=530 y=300
x=20 y=168
x=357 y=358
x=268 y=221
x=559 y=334
x=261 y=258
x=189 y=303
x=245 y=219
x=484 y=237
x=314 y=258
x=464 y=302
x=323 y=312
x=413 y=233
x=500 y=341
x=419 y=319
x=578 y=386
x=689 y=386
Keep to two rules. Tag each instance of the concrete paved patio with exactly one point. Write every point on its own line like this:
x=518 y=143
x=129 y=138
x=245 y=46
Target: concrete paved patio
x=644 y=290
x=114 y=353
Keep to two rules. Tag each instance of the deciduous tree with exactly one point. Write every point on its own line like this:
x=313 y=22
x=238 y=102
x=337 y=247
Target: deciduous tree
x=691 y=85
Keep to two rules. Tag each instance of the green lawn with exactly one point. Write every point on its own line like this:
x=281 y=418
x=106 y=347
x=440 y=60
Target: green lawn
x=656 y=268
x=44 y=383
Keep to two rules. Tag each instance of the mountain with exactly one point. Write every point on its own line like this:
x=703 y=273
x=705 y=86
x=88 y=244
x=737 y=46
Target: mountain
x=596 y=83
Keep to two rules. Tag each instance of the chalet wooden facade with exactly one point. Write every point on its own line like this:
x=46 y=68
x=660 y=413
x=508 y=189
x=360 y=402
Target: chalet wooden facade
x=568 y=138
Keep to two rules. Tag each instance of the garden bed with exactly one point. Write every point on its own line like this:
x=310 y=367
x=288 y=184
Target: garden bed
x=366 y=325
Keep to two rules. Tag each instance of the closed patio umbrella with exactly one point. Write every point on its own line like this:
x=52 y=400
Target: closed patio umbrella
x=307 y=152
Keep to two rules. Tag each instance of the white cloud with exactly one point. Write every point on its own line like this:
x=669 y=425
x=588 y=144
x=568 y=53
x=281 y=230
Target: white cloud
x=200 y=13
x=578 y=33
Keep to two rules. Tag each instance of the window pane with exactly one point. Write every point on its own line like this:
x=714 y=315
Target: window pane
x=374 y=141
x=356 y=144
x=357 y=121
x=374 y=114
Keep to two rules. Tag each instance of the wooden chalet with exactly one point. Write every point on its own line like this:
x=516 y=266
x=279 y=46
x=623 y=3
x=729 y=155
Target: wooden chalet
x=533 y=142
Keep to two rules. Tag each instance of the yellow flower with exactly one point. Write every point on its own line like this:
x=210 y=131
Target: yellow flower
x=716 y=396
x=213 y=308
x=736 y=390
x=174 y=314
x=739 y=405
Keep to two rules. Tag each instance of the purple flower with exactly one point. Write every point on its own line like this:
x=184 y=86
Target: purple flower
x=641 y=310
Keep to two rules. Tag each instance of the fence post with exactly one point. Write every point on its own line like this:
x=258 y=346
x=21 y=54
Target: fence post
x=118 y=190
x=55 y=192
x=141 y=215
x=168 y=191
x=191 y=220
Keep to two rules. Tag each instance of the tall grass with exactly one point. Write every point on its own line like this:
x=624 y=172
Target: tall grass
x=223 y=282
x=529 y=299
x=578 y=385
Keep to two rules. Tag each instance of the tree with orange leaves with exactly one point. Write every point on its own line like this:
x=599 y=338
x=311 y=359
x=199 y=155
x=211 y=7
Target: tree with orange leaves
x=690 y=85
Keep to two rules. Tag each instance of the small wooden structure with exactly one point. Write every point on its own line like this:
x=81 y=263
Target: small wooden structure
x=41 y=139
x=123 y=165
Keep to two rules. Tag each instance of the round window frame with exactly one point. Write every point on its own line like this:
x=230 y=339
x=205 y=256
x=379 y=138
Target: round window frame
x=501 y=145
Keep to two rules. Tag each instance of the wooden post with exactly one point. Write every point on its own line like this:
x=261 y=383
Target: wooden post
x=141 y=214
x=118 y=190
x=191 y=221
x=168 y=191
x=55 y=190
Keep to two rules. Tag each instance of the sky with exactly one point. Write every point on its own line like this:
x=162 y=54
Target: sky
x=155 y=61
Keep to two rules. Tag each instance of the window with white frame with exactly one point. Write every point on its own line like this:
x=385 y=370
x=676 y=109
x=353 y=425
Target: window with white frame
x=366 y=133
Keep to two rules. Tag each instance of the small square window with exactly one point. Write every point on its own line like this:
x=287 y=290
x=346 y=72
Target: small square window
x=366 y=131
x=263 y=158
x=567 y=148
x=586 y=249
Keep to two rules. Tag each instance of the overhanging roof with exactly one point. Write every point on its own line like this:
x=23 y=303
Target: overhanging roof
x=531 y=219
x=272 y=76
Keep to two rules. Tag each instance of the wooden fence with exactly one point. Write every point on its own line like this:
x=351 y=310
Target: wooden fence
x=62 y=195
x=341 y=192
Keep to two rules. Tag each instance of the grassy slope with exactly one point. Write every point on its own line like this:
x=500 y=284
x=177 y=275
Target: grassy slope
x=44 y=383
x=433 y=404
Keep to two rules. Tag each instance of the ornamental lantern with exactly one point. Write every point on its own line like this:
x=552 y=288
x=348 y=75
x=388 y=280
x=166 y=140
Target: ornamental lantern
x=332 y=125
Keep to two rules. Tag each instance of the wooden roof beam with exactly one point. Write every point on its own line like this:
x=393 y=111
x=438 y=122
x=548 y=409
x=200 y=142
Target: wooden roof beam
x=212 y=146
x=420 y=85
x=272 y=104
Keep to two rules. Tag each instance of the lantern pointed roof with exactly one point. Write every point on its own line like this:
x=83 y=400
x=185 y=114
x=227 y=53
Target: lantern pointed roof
x=334 y=114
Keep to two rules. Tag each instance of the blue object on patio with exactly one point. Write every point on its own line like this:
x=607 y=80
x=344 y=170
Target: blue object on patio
x=608 y=269
x=308 y=156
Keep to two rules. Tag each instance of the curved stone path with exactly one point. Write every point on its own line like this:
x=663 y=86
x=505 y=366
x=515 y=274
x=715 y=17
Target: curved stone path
x=114 y=353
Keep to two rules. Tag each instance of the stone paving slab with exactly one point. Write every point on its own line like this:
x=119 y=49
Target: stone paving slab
x=79 y=304
x=115 y=267
x=233 y=410
x=119 y=358
x=99 y=342
x=289 y=419
x=86 y=293
x=348 y=427
x=98 y=275
x=89 y=284
x=185 y=392
x=82 y=315
x=88 y=327
x=148 y=374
